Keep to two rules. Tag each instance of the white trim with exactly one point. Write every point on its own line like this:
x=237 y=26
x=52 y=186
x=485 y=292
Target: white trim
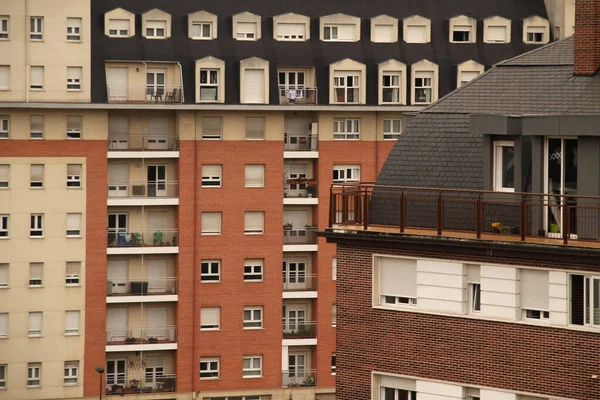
x=140 y=347
x=497 y=168
x=141 y=299
x=299 y=342
x=142 y=250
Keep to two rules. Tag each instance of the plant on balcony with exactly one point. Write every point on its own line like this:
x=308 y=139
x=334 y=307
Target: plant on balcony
x=309 y=381
x=130 y=340
x=501 y=228
x=152 y=340
x=311 y=189
x=301 y=181
x=310 y=226
x=288 y=226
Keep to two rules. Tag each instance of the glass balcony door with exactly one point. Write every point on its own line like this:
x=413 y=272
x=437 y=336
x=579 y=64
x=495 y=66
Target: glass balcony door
x=561 y=175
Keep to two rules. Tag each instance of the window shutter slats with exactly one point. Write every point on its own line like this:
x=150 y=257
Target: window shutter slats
x=535 y=289
x=416 y=34
x=211 y=126
x=37 y=75
x=73 y=268
x=35 y=270
x=72 y=320
x=35 y=321
x=3 y=274
x=255 y=175
x=211 y=222
x=210 y=316
x=4 y=173
x=4 y=324
x=384 y=33
x=118 y=173
x=496 y=33
x=211 y=170
x=73 y=222
x=253 y=221
x=120 y=24
x=398 y=277
x=474 y=273
x=73 y=169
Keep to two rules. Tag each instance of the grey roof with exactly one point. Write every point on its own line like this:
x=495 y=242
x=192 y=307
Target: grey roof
x=437 y=148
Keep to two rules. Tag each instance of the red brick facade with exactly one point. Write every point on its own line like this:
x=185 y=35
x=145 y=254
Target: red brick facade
x=587 y=37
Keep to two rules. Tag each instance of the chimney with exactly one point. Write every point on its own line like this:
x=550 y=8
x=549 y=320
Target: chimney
x=587 y=37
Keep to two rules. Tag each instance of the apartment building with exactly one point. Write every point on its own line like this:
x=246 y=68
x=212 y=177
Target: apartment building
x=174 y=164
x=470 y=270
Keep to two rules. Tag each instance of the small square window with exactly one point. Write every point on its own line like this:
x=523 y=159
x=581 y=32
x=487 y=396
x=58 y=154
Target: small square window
x=4 y=127
x=210 y=271
x=74 y=225
x=73 y=29
x=255 y=175
x=211 y=223
x=37 y=176
x=346 y=85
x=72 y=273
x=156 y=29
x=71 y=374
x=34 y=374
x=201 y=30
x=255 y=128
x=253 y=317
x=252 y=367
x=461 y=34
x=4 y=226
x=346 y=173
x=36 y=28
x=210 y=318
x=37 y=127
x=209 y=368
x=37 y=225
x=392 y=129
x=212 y=128
x=73 y=175
x=74 y=126
x=74 y=78
x=4 y=28
x=36 y=274
x=330 y=33
x=211 y=175
x=118 y=28
x=253 y=270
x=246 y=31
x=254 y=222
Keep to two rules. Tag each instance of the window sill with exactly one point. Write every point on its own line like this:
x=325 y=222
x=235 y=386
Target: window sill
x=36 y=286
x=252 y=377
x=211 y=138
x=74 y=90
x=73 y=236
x=3 y=337
x=210 y=234
x=255 y=140
x=37 y=187
x=4 y=237
x=333 y=374
x=5 y=89
x=210 y=379
x=73 y=334
x=35 y=336
x=253 y=233
x=36 y=237
x=254 y=281
x=73 y=285
x=34 y=387
x=36 y=90
x=253 y=328
x=155 y=37
x=201 y=38
x=210 y=329
x=211 y=187
x=74 y=187
x=201 y=281
x=70 y=384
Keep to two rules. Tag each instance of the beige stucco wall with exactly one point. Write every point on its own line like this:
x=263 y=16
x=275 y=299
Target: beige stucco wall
x=562 y=17
x=54 y=298
x=234 y=124
x=94 y=123
x=54 y=52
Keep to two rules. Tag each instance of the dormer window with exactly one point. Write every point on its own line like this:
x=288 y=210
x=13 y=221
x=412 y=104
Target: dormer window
x=156 y=24
x=536 y=30
x=335 y=33
x=156 y=29
x=290 y=32
x=246 y=26
x=347 y=80
x=210 y=73
x=202 y=25
x=417 y=29
x=497 y=34
x=535 y=34
x=340 y=28
x=291 y=27
x=119 y=23
x=463 y=29
x=202 y=30
x=424 y=82
x=246 y=31
x=496 y=30
x=118 y=27
x=384 y=29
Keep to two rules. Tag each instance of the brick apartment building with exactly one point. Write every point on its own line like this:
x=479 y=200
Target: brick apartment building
x=165 y=165
x=470 y=269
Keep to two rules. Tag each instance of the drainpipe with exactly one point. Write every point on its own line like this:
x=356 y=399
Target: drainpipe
x=27 y=67
x=181 y=80
x=145 y=89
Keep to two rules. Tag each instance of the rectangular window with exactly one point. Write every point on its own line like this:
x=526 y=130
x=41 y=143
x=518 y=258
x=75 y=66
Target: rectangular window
x=35 y=324
x=211 y=223
x=73 y=224
x=253 y=270
x=73 y=29
x=210 y=318
x=334 y=315
x=73 y=175
x=253 y=317
x=290 y=31
x=73 y=78
x=4 y=226
x=209 y=367
x=461 y=34
x=72 y=322
x=4 y=77
x=36 y=28
x=255 y=175
x=209 y=85
x=210 y=271
x=3 y=326
x=467 y=76
x=416 y=34
x=346 y=85
x=339 y=32
x=496 y=34
x=118 y=27
x=252 y=367
x=4 y=26
x=535 y=34
x=423 y=87
x=391 y=87
x=3 y=275
x=392 y=129
x=34 y=374
x=388 y=393
x=397 y=284
x=504 y=166
x=254 y=222
x=36 y=225
x=36 y=126
x=246 y=31
x=255 y=128
x=211 y=175
x=384 y=34
x=346 y=129
x=3 y=373
x=474 y=288
x=346 y=173
x=36 y=274
x=333 y=362
x=4 y=127
x=71 y=372
x=330 y=33
x=74 y=126
x=535 y=294
x=73 y=270
x=211 y=128
x=36 y=80
x=334 y=268
x=37 y=176
x=202 y=30
x=156 y=29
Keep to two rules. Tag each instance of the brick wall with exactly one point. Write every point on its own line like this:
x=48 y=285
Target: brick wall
x=551 y=361
x=587 y=37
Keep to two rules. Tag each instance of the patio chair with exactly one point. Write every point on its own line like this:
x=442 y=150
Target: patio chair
x=157 y=238
x=171 y=97
x=158 y=95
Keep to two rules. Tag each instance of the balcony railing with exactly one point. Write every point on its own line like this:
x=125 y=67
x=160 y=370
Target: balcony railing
x=135 y=238
x=144 y=335
x=299 y=376
x=306 y=235
x=526 y=217
x=299 y=330
x=299 y=188
x=299 y=281
x=306 y=142
x=143 y=189
x=145 y=93
x=298 y=96
x=136 y=383
x=142 y=142
x=141 y=286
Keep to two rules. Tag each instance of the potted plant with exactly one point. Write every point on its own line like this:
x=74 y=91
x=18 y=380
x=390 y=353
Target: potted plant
x=130 y=340
x=310 y=227
x=288 y=226
x=152 y=340
x=500 y=228
x=311 y=188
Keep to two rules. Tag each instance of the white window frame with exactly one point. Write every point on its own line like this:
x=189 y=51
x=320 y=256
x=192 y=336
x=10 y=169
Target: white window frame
x=341 y=82
x=74 y=79
x=4 y=226
x=498 y=146
x=4 y=335
x=256 y=214
x=211 y=180
x=74 y=127
x=36 y=28
x=246 y=172
x=346 y=129
x=6 y=69
x=209 y=72
x=36 y=225
x=75 y=230
x=4 y=127
x=391 y=86
x=535 y=315
x=73 y=278
x=153 y=32
x=253 y=322
x=212 y=136
x=210 y=276
x=4 y=32
x=118 y=32
x=533 y=31
x=254 y=269
x=35 y=281
x=35 y=332
x=246 y=34
x=74 y=179
x=3 y=373
x=474 y=297
x=424 y=86
x=252 y=371
x=72 y=331
x=212 y=233
x=333 y=364
x=290 y=37
x=37 y=133
x=391 y=133
x=71 y=373
x=463 y=28
x=4 y=275
x=34 y=374
x=202 y=24
x=211 y=327
x=210 y=370
x=73 y=29
x=352 y=170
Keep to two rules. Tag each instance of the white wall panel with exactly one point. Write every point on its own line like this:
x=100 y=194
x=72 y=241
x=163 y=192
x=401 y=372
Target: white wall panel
x=491 y=271
x=499 y=285
x=441 y=267
x=493 y=395
x=440 y=293
x=438 y=391
x=452 y=307
x=433 y=279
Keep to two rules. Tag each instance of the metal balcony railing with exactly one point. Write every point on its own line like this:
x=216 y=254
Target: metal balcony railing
x=299 y=281
x=291 y=96
x=141 y=286
x=118 y=141
x=299 y=188
x=302 y=142
x=293 y=329
x=143 y=335
x=145 y=93
x=306 y=235
x=143 y=189
x=298 y=376
x=136 y=383
x=138 y=238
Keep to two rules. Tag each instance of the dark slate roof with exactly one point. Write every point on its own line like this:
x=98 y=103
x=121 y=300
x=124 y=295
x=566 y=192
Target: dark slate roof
x=312 y=52
x=437 y=148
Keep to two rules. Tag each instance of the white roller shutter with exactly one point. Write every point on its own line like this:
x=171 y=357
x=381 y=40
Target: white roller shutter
x=118 y=173
x=37 y=76
x=298 y=218
x=35 y=322
x=73 y=224
x=4 y=76
x=468 y=76
x=473 y=273
x=254 y=221
x=4 y=173
x=398 y=383
x=496 y=34
x=118 y=24
x=211 y=223
x=384 y=33
x=398 y=277
x=346 y=32
x=210 y=317
x=535 y=289
x=254 y=86
x=4 y=325
x=3 y=275
x=416 y=34
x=72 y=321
x=255 y=175
x=118 y=127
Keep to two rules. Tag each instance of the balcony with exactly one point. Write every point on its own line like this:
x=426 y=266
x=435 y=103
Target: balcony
x=148 y=94
x=538 y=218
x=300 y=191
x=150 y=143
x=136 y=382
x=299 y=282
x=299 y=236
x=141 y=290
x=143 y=193
x=293 y=329
x=299 y=377
x=143 y=338
x=300 y=142
x=143 y=242
x=300 y=96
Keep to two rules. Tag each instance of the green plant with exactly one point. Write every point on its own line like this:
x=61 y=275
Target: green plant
x=288 y=225
x=152 y=339
x=130 y=340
